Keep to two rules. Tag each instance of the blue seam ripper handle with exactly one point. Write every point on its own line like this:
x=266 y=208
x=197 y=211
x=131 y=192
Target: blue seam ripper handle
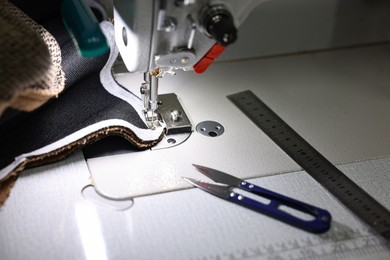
x=84 y=28
x=320 y=223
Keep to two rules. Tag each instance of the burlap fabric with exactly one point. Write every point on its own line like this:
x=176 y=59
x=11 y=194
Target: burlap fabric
x=30 y=61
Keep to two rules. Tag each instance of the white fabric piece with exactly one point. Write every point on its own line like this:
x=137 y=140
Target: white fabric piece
x=107 y=78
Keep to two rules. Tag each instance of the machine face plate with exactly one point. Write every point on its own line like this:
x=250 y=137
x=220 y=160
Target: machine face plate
x=323 y=171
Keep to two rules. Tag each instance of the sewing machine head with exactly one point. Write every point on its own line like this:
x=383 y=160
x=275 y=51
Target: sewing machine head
x=157 y=37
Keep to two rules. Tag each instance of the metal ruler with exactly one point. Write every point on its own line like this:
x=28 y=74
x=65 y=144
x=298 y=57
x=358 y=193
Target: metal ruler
x=323 y=171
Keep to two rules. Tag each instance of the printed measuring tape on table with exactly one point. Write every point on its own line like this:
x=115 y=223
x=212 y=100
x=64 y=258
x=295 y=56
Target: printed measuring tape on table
x=323 y=171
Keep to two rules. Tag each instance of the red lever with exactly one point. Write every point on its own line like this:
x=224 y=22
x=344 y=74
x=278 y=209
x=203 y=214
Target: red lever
x=208 y=58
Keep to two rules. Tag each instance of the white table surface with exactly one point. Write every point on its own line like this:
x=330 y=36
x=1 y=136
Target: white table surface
x=339 y=101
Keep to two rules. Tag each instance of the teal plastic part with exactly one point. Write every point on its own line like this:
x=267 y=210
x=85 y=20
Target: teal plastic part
x=84 y=28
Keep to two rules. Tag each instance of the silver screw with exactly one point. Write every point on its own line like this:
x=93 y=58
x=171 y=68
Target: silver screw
x=175 y=115
x=143 y=88
x=184 y=60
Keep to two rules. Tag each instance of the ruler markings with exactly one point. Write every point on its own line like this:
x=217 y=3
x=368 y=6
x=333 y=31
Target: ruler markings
x=306 y=156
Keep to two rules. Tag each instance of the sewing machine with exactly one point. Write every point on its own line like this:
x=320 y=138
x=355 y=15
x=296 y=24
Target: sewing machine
x=160 y=37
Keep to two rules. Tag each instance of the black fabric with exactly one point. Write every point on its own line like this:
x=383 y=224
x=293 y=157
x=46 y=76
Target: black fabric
x=84 y=102
x=82 y=105
x=110 y=145
x=40 y=10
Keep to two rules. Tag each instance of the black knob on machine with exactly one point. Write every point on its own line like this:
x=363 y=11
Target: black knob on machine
x=219 y=24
